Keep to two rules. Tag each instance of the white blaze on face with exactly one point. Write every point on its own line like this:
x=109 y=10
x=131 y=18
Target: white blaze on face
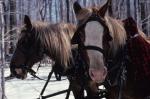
x=94 y=33
x=94 y=36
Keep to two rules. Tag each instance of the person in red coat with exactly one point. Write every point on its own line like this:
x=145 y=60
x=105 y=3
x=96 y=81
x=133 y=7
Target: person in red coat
x=139 y=53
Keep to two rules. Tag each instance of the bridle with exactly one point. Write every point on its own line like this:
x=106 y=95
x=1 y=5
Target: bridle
x=95 y=48
x=82 y=47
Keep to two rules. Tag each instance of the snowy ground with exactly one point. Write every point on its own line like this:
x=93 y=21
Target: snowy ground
x=30 y=88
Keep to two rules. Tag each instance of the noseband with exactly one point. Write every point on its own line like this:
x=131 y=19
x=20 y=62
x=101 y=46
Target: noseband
x=95 y=48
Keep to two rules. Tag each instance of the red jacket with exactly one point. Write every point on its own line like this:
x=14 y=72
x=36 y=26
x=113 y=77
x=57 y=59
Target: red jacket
x=139 y=52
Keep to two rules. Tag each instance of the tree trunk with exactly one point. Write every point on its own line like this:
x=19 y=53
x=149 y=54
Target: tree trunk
x=84 y=2
x=110 y=12
x=128 y=8
x=50 y=9
x=61 y=10
x=43 y=10
x=67 y=6
x=29 y=7
x=12 y=23
x=56 y=11
x=143 y=14
x=2 y=80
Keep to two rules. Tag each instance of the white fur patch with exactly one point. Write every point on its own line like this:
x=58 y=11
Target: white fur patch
x=93 y=36
x=94 y=33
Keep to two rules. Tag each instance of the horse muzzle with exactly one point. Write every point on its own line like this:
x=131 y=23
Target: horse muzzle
x=19 y=72
x=98 y=75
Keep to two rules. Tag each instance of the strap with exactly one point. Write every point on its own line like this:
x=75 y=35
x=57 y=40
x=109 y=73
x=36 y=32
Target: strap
x=90 y=47
x=32 y=72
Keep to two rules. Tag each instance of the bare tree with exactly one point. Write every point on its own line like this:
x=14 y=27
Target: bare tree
x=61 y=10
x=50 y=9
x=12 y=22
x=43 y=9
x=2 y=60
x=68 y=7
x=56 y=10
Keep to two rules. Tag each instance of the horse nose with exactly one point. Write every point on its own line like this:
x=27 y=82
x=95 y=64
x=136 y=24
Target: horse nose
x=18 y=71
x=98 y=75
x=14 y=74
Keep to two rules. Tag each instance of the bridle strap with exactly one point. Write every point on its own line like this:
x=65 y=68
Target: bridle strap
x=31 y=71
x=82 y=49
x=90 y=47
x=25 y=67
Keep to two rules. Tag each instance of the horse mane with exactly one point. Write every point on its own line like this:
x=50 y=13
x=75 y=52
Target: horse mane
x=144 y=36
x=116 y=28
x=85 y=13
x=56 y=39
x=118 y=34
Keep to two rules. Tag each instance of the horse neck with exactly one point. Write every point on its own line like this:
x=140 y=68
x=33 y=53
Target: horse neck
x=56 y=42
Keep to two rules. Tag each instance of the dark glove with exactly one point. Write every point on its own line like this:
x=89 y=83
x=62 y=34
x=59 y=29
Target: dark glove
x=130 y=26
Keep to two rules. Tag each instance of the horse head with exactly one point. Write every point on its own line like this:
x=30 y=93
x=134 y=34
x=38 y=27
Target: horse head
x=93 y=31
x=27 y=51
x=38 y=39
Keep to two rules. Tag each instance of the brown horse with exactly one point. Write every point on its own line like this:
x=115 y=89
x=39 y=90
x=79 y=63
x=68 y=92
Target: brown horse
x=38 y=39
x=105 y=33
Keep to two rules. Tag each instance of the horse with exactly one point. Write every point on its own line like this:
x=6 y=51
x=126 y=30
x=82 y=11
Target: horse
x=107 y=39
x=38 y=39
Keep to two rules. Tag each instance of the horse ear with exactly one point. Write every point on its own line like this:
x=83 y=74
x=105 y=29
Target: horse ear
x=76 y=7
x=27 y=22
x=130 y=26
x=102 y=11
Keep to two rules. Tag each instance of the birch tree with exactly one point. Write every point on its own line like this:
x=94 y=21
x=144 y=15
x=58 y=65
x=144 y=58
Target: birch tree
x=68 y=9
x=2 y=60
x=12 y=22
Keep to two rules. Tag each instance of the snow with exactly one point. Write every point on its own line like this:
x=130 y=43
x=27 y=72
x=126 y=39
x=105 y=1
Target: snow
x=30 y=88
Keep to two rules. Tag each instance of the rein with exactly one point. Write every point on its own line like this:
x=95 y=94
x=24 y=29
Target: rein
x=31 y=71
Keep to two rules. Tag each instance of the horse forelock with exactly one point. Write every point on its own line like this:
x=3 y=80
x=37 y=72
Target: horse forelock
x=118 y=34
x=83 y=15
x=55 y=38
